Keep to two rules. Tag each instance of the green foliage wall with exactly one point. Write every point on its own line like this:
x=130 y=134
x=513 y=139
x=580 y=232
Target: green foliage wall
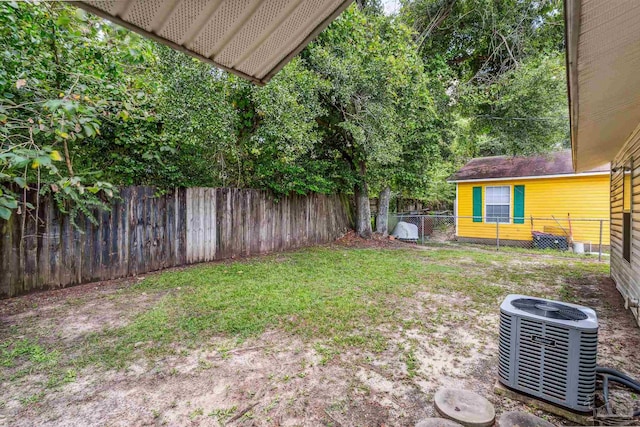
x=391 y=101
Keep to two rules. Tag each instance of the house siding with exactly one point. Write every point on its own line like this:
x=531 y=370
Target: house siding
x=579 y=196
x=625 y=274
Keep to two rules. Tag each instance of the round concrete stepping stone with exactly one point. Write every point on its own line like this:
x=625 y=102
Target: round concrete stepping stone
x=521 y=419
x=464 y=407
x=437 y=422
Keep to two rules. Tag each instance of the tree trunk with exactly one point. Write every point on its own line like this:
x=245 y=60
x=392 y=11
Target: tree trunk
x=382 y=220
x=363 y=211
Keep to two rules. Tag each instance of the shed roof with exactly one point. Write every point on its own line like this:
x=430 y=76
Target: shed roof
x=250 y=38
x=501 y=167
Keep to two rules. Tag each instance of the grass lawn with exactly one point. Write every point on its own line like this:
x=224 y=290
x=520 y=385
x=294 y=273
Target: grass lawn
x=323 y=336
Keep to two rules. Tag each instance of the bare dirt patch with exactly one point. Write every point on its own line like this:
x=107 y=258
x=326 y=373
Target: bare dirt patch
x=71 y=314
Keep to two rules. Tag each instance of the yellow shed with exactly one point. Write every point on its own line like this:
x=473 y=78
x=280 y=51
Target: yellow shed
x=514 y=198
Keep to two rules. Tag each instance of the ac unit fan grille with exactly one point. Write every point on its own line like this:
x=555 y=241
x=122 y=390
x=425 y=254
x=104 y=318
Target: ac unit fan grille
x=548 y=309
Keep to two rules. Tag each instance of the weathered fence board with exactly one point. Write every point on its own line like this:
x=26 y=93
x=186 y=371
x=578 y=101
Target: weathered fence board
x=145 y=232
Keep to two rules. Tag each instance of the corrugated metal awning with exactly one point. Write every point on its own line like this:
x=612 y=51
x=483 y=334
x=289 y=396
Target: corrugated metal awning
x=603 y=69
x=251 y=38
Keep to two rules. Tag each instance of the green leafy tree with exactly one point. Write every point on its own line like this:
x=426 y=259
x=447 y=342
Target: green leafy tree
x=370 y=71
x=501 y=71
x=523 y=112
x=47 y=110
x=482 y=39
x=284 y=144
x=199 y=122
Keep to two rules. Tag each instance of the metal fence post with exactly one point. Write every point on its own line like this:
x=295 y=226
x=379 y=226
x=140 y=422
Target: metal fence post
x=497 y=235
x=600 y=244
x=422 y=227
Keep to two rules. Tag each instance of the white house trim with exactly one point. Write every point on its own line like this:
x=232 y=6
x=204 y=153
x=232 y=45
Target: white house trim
x=455 y=209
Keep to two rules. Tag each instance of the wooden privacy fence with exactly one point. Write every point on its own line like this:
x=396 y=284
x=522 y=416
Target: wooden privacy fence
x=143 y=232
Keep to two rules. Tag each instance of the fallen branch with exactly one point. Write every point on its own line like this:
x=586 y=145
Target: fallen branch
x=239 y=350
x=332 y=418
x=241 y=413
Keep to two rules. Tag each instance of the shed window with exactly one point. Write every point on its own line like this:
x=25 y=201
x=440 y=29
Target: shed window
x=498 y=203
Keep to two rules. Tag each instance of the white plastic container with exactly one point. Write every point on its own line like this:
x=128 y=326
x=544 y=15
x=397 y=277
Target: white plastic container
x=405 y=231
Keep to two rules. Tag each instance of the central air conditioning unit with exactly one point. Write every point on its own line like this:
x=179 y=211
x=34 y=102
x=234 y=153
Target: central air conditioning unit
x=548 y=350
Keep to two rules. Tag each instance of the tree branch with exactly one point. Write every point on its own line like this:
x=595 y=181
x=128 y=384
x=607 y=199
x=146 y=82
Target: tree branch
x=504 y=40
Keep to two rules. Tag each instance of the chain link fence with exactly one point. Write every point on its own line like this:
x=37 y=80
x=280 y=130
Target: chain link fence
x=580 y=236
